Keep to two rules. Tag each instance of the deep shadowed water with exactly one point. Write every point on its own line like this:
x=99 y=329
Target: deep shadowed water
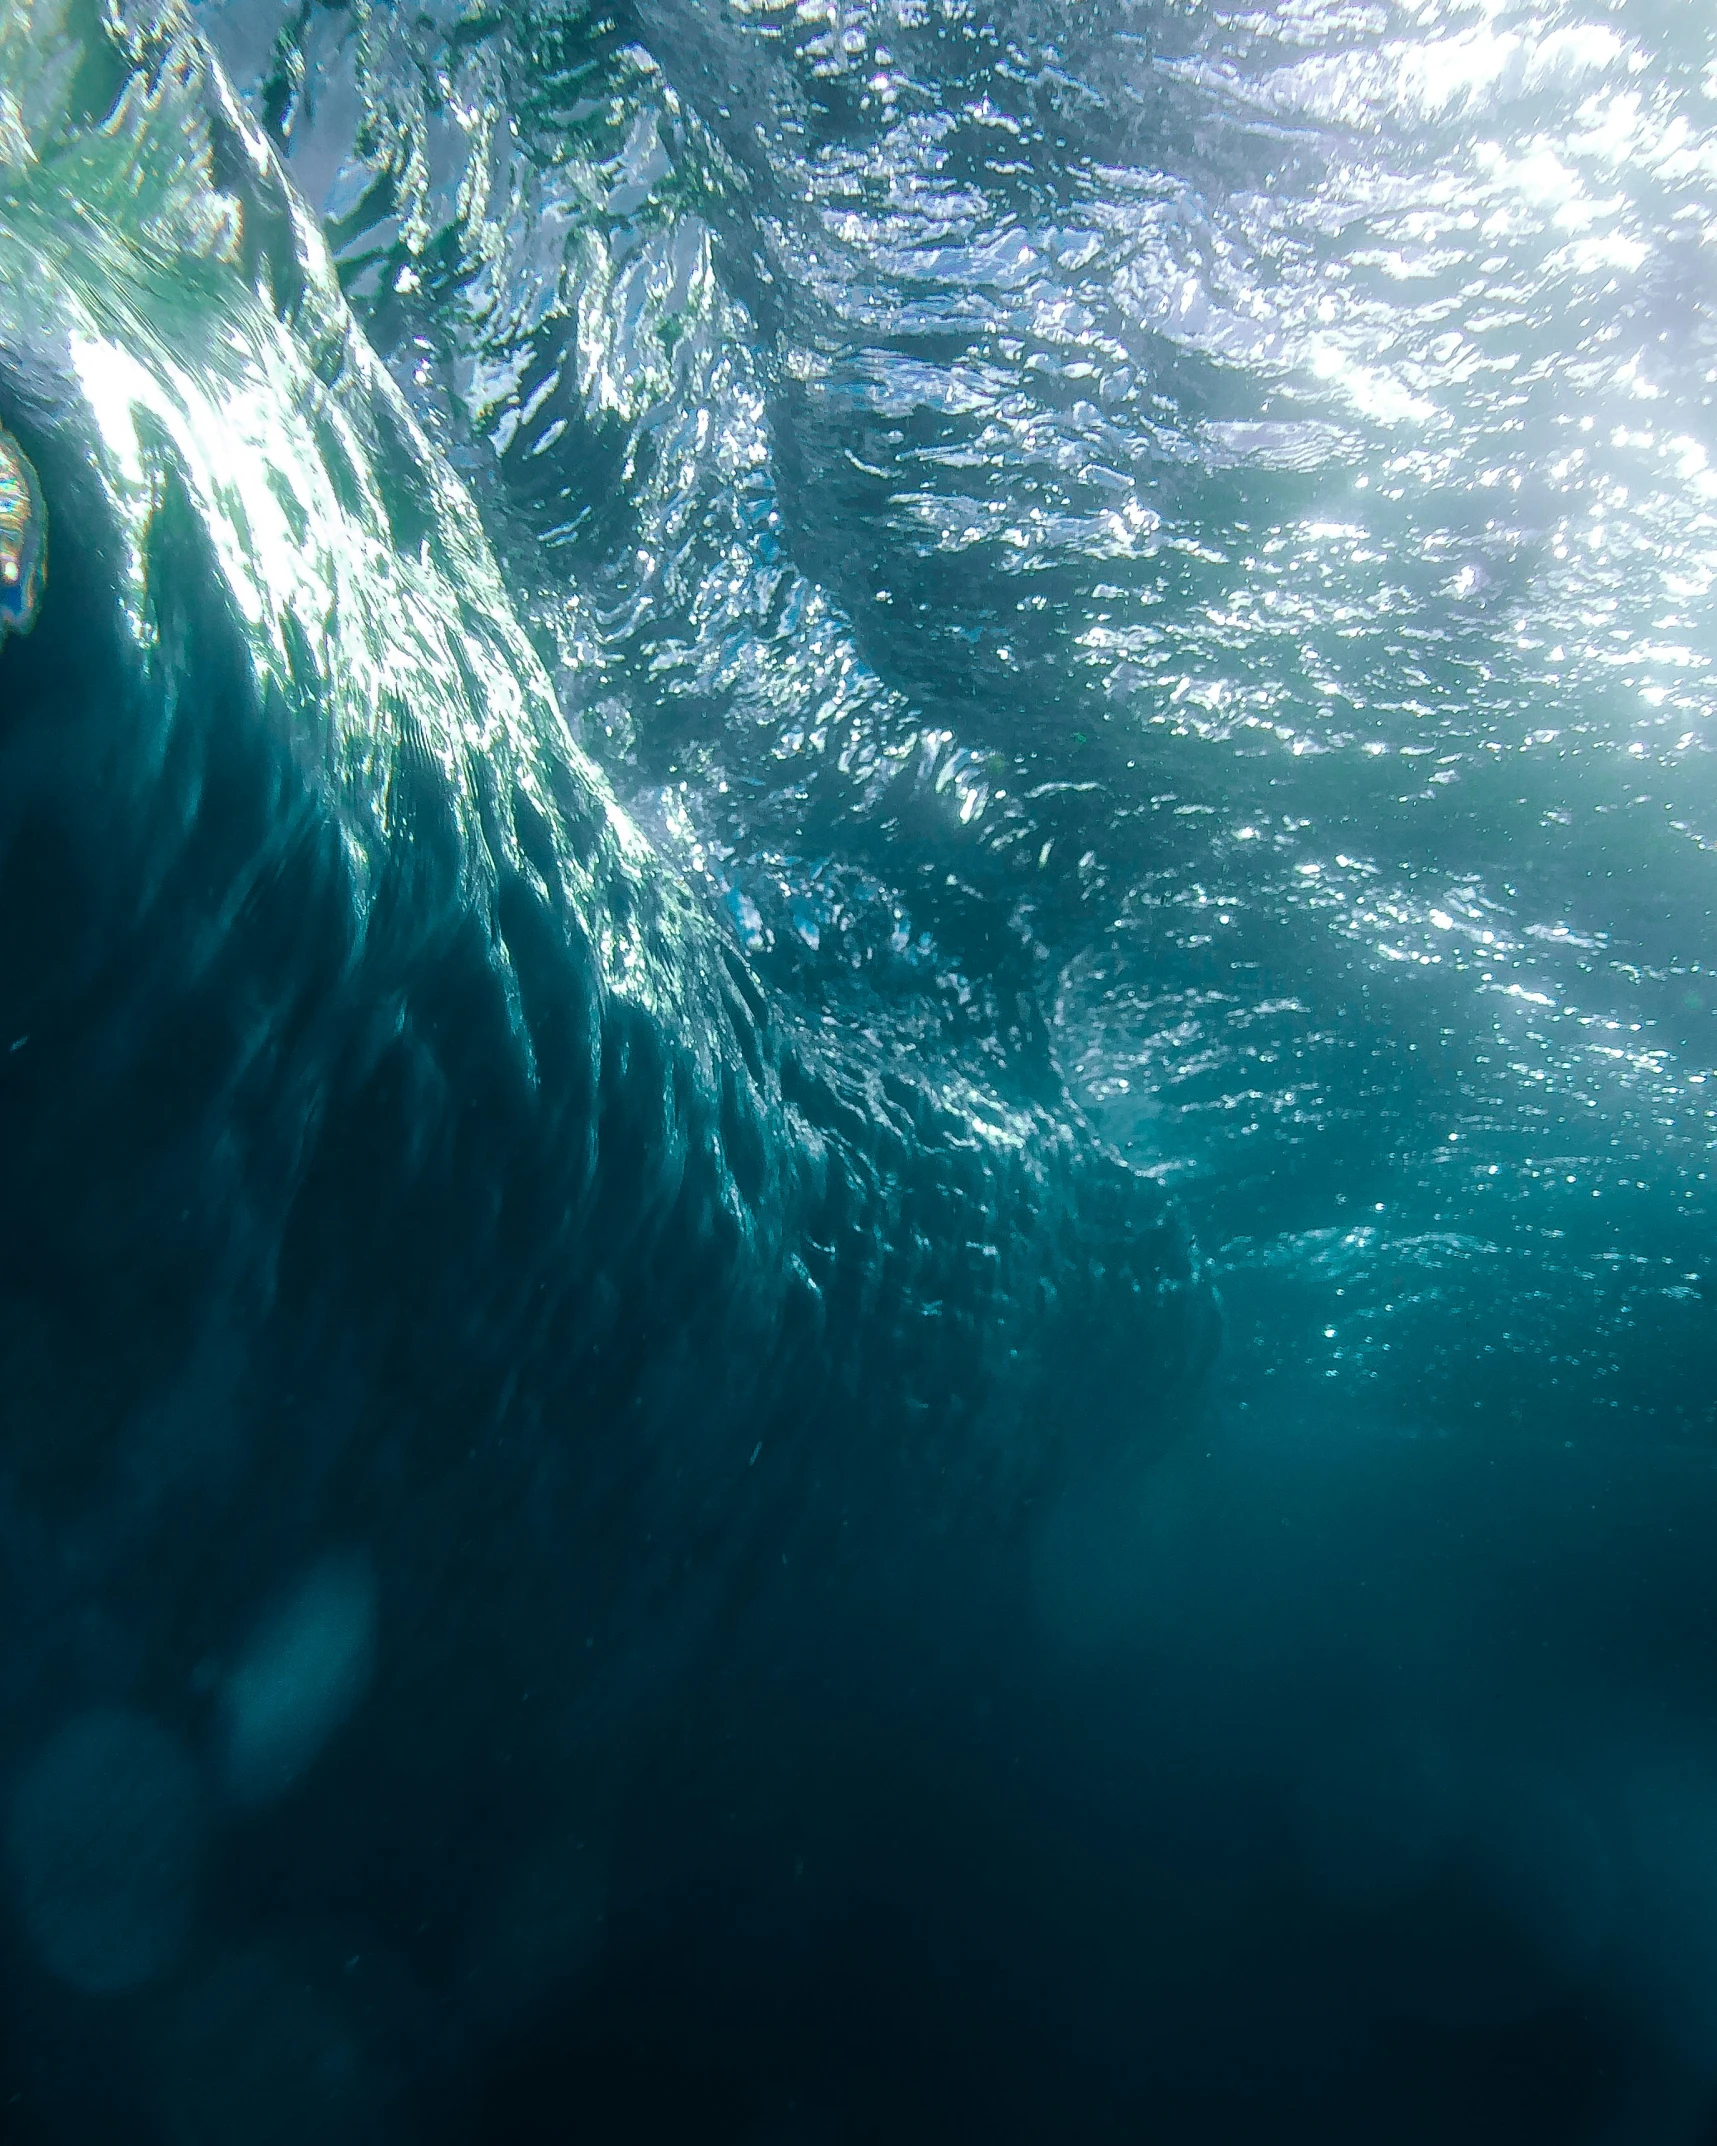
x=1153 y=568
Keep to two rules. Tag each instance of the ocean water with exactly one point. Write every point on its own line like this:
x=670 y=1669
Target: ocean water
x=860 y=1034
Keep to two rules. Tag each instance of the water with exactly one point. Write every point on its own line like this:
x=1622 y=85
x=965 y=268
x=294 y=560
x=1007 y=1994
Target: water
x=1153 y=569
x=1203 y=518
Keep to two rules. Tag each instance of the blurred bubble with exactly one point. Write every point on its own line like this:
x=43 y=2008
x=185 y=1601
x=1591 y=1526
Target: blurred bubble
x=104 y=1844
x=306 y=1671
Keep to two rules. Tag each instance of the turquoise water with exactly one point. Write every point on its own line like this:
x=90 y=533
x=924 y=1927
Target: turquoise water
x=1151 y=568
x=1200 y=516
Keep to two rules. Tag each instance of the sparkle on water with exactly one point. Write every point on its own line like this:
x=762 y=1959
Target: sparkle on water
x=1206 y=515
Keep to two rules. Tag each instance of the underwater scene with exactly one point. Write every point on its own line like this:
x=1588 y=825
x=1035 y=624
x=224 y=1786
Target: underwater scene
x=858 y=1072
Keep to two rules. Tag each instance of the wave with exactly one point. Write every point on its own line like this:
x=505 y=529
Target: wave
x=405 y=1169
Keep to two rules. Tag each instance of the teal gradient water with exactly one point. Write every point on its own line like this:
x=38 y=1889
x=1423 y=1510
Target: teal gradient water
x=1154 y=567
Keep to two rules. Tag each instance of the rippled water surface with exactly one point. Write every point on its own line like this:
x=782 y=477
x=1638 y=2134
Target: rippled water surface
x=1189 y=526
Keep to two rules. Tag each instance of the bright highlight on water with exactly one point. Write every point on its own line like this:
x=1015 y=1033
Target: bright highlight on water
x=23 y=540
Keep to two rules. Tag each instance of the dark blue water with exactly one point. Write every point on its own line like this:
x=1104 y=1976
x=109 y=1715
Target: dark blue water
x=857 y=997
